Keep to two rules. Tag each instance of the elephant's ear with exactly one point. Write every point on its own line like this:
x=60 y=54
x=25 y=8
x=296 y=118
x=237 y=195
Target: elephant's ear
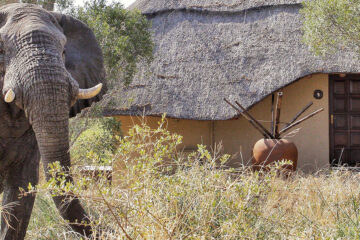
x=83 y=58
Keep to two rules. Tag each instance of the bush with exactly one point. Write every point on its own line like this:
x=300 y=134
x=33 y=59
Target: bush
x=94 y=141
x=331 y=26
x=124 y=36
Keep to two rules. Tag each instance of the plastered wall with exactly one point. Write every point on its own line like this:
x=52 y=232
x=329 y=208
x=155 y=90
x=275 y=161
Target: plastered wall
x=193 y=132
x=238 y=137
x=312 y=139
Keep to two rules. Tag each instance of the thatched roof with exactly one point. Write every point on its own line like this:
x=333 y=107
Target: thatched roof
x=156 y=6
x=207 y=50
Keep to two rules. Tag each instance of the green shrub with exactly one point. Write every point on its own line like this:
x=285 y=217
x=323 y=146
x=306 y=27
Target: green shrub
x=124 y=36
x=97 y=143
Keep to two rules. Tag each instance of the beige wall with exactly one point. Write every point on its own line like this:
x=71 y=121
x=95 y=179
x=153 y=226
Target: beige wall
x=193 y=132
x=312 y=139
x=238 y=136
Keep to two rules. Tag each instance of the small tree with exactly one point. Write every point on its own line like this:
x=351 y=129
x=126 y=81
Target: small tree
x=124 y=36
x=125 y=39
x=330 y=25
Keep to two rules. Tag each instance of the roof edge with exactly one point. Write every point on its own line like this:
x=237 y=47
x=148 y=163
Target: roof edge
x=200 y=10
x=145 y=110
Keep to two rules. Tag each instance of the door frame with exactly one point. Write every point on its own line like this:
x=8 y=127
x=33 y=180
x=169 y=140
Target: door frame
x=332 y=77
x=330 y=118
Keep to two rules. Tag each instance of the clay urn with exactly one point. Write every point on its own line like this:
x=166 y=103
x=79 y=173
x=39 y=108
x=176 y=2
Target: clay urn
x=267 y=151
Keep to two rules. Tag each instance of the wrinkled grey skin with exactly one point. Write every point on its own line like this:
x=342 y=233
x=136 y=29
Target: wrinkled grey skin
x=36 y=124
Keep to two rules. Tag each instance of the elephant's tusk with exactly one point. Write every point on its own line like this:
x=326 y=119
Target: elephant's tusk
x=9 y=96
x=90 y=92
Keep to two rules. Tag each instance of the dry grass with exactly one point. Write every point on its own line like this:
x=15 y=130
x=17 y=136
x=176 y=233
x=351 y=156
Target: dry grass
x=196 y=198
x=205 y=203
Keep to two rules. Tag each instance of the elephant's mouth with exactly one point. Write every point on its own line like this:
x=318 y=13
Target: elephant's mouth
x=47 y=108
x=50 y=123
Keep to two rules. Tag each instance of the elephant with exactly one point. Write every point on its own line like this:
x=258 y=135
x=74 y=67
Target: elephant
x=51 y=67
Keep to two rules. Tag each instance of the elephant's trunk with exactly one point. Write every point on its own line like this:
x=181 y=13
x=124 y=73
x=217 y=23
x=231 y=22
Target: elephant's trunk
x=48 y=113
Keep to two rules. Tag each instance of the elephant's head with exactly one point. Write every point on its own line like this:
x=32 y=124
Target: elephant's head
x=46 y=61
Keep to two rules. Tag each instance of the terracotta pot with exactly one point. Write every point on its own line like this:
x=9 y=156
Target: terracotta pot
x=267 y=151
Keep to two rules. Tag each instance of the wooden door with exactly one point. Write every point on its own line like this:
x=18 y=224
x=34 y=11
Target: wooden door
x=344 y=119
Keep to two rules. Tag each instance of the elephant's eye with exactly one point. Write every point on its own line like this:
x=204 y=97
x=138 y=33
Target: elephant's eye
x=63 y=55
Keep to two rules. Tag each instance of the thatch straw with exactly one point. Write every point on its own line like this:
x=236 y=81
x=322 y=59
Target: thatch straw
x=154 y=6
x=209 y=49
